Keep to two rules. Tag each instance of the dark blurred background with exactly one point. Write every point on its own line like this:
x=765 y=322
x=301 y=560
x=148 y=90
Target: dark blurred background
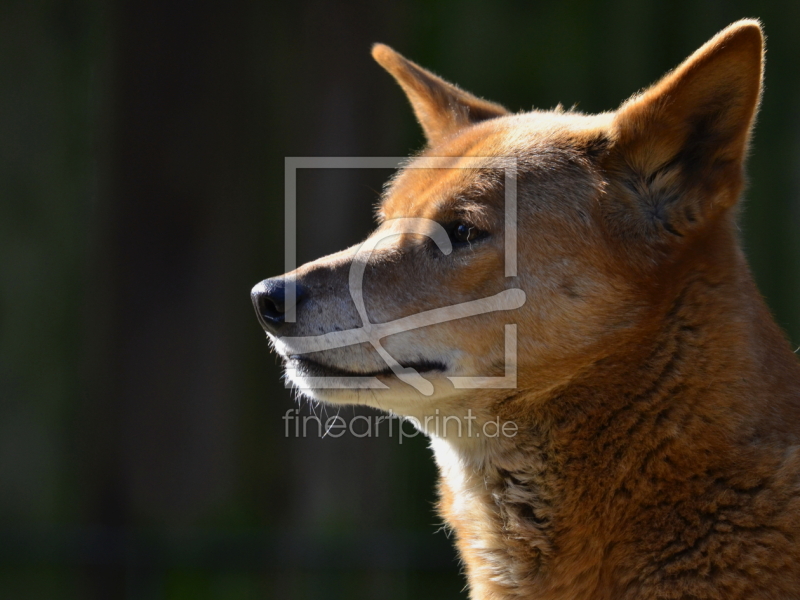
x=142 y=448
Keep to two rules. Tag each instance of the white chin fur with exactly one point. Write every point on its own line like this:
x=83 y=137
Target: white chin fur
x=391 y=394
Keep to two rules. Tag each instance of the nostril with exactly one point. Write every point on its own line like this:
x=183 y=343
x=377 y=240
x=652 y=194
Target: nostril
x=270 y=308
x=269 y=300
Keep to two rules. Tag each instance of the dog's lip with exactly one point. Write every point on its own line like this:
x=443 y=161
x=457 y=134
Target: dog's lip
x=322 y=370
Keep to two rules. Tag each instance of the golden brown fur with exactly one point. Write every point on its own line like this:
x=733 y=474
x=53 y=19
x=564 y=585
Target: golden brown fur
x=657 y=403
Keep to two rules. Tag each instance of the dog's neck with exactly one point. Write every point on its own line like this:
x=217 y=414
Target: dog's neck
x=500 y=509
x=545 y=511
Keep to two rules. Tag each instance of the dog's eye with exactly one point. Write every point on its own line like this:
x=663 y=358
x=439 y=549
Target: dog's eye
x=463 y=233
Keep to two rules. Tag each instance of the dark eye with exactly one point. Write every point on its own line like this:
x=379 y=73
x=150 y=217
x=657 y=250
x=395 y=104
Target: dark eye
x=464 y=233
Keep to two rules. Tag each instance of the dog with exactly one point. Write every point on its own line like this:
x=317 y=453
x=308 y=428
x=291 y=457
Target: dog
x=612 y=320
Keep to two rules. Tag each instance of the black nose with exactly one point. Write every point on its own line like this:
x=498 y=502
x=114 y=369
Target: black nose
x=270 y=302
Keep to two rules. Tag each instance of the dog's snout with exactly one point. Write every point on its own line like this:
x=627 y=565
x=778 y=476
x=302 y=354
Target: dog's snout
x=270 y=301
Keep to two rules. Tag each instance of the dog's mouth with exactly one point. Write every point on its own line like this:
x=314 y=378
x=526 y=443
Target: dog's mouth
x=311 y=368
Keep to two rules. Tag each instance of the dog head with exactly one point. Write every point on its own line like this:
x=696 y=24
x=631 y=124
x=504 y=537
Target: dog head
x=569 y=227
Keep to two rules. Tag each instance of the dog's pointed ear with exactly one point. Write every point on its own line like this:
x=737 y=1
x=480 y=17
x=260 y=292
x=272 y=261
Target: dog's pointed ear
x=441 y=108
x=683 y=141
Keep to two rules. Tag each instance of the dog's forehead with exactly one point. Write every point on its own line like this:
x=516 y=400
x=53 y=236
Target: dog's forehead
x=439 y=181
x=474 y=164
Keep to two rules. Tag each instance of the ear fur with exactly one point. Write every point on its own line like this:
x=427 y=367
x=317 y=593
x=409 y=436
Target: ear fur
x=441 y=107
x=681 y=144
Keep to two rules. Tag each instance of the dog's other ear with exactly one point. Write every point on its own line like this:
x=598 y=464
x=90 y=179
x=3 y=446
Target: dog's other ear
x=441 y=107
x=681 y=144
